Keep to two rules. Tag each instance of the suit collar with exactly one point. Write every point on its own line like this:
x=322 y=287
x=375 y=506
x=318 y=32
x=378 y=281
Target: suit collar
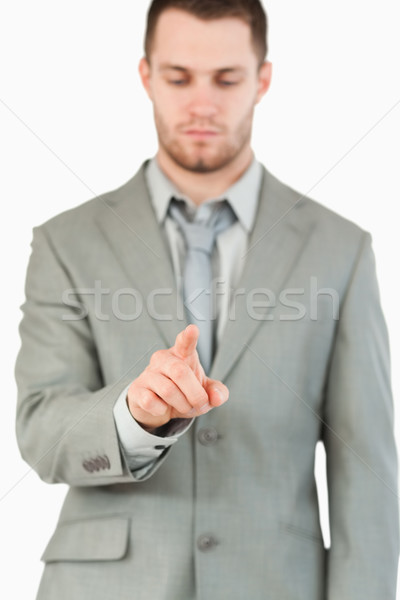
x=243 y=195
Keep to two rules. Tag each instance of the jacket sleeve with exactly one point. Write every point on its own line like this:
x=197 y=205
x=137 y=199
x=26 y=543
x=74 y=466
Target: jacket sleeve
x=360 y=446
x=65 y=424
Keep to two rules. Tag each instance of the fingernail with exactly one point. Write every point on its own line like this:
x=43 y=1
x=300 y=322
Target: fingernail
x=204 y=408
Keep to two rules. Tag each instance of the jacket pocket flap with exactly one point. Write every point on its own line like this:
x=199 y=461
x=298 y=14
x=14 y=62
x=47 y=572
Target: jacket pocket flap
x=91 y=540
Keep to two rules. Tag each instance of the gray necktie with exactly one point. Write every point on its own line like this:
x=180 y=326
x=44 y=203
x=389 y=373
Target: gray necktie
x=198 y=297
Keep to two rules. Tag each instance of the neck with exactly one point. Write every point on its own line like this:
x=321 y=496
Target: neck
x=199 y=187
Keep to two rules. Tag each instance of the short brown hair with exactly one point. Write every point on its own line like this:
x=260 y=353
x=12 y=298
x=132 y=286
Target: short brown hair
x=250 y=11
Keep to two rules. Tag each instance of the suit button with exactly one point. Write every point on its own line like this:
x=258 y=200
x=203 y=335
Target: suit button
x=208 y=437
x=206 y=542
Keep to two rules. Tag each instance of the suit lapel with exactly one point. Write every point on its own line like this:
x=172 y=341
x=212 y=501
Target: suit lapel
x=275 y=245
x=128 y=221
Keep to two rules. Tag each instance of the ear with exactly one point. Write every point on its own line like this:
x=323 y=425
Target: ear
x=264 y=80
x=144 y=72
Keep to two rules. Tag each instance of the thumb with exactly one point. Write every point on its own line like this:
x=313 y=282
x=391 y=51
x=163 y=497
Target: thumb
x=217 y=392
x=186 y=342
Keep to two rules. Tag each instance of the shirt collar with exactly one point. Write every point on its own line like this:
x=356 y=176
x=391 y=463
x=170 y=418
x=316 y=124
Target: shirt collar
x=242 y=195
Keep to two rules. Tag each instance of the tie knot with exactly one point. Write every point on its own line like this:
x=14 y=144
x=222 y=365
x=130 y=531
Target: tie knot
x=199 y=237
x=200 y=234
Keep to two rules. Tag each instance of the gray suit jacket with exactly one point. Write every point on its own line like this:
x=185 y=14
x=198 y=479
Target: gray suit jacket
x=231 y=510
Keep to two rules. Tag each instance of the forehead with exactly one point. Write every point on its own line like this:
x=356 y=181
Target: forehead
x=182 y=39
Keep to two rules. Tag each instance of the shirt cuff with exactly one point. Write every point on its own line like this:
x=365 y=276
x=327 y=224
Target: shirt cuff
x=140 y=447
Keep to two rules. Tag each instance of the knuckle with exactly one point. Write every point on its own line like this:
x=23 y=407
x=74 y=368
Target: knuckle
x=132 y=390
x=147 y=401
x=157 y=358
x=134 y=393
x=167 y=389
x=178 y=370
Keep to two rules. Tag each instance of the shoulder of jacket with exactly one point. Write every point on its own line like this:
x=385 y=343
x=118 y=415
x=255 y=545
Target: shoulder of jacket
x=326 y=222
x=84 y=214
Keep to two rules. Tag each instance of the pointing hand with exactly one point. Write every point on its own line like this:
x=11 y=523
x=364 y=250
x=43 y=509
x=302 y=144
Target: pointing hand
x=174 y=385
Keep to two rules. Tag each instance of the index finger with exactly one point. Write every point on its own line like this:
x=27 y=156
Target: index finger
x=186 y=342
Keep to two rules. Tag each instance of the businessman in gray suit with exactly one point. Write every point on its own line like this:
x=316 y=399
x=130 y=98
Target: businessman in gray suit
x=178 y=492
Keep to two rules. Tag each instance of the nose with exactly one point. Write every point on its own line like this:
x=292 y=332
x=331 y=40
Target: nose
x=203 y=102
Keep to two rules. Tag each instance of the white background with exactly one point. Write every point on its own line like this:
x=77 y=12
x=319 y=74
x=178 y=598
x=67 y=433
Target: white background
x=74 y=122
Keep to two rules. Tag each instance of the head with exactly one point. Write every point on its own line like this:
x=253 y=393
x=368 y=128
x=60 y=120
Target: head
x=249 y=11
x=204 y=70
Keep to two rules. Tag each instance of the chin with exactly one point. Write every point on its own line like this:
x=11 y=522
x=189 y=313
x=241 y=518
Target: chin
x=204 y=164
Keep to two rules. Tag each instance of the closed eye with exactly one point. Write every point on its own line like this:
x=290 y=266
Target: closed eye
x=177 y=81
x=225 y=83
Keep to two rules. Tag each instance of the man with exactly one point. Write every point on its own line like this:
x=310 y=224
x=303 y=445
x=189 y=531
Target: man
x=176 y=491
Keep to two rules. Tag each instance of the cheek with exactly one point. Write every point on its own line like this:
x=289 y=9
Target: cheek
x=239 y=113
x=240 y=104
x=169 y=106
